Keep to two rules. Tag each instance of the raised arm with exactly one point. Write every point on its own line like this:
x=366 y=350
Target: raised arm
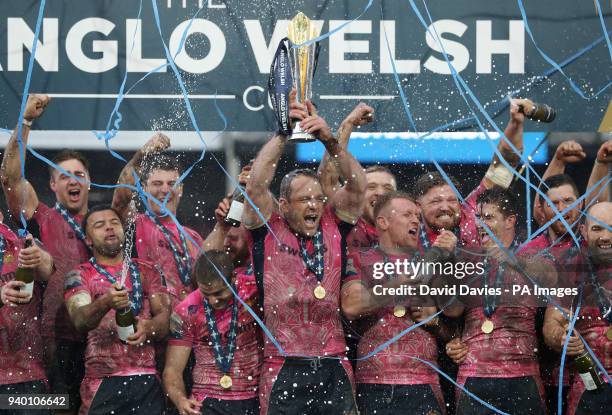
x=568 y=152
x=20 y=195
x=348 y=201
x=258 y=186
x=122 y=196
x=497 y=175
x=215 y=239
x=329 y=176
x=601 y=169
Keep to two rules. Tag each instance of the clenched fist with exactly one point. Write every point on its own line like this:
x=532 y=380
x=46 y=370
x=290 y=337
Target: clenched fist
x=35 y=106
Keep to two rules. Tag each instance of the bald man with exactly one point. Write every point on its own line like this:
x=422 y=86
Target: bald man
x=592 y=271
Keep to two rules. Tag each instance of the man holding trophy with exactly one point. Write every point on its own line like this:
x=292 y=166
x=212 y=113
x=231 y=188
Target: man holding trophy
x=298 y=252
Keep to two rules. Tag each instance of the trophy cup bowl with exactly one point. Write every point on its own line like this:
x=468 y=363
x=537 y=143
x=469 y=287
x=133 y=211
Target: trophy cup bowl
x=303 y=61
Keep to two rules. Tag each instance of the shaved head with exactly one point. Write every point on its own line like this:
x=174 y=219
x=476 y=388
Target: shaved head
x=601 y=211
x=597 y=231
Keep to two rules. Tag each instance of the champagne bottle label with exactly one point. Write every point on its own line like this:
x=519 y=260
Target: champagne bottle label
x=28 y=289
x=588 y=381
x=125 y=332
x=235 y=211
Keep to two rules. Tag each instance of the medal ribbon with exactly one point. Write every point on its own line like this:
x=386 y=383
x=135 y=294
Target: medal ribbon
x=416 y=257
x=490 y=306
x=316 y=263
x=76 y=227
x=224 y=356
x=136 y=295
x=2 y=250
x=182 y=260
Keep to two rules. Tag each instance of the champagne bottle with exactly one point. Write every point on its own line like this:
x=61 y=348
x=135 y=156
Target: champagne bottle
x=540 y=112
x=234 y=216
x=126 y=323
x=588 y=371
x=26 y=275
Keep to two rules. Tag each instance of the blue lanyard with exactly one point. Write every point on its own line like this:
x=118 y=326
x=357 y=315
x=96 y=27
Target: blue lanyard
x=2 y=250
x=136 y=296
x=490 y=305
x=224 y=356
x=76 y=227
x=316 y=263
x=182 y=260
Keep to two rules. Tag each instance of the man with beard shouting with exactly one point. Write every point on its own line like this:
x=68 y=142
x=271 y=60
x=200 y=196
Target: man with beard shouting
x=298 y=254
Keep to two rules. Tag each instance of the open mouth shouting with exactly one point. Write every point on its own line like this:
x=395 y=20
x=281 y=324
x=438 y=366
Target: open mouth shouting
x=310 y=220
x=74 y=195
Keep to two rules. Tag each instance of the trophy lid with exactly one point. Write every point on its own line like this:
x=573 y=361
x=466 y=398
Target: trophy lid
x=301 y=29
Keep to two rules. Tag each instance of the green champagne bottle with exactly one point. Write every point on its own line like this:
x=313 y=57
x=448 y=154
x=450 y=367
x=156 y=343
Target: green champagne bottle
x=588 y=371
x=26 y=275
x=126 y=323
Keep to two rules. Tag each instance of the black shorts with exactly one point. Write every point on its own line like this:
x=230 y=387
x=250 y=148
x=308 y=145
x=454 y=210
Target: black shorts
x=67 y=370
x=595 y=402
x=25 y=388
x=134 y=395
x=551 y=395
x=312 y=387
x=516 y=396
x=397 y=399
x=213 y=406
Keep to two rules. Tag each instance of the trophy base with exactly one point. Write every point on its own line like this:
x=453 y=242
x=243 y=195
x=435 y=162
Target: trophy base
x=300 y=136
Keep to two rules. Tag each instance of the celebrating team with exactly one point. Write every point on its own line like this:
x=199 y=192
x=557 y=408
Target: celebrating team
x=133 y=312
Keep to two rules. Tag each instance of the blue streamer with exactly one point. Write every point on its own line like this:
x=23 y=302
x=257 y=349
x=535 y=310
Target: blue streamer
x=554 y=64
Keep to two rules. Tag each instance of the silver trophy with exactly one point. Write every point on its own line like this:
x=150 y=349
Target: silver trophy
x=303 y=62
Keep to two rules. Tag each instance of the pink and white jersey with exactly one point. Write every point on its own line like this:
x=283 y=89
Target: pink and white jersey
x=189 y=328
x=67 y=251
x=106 y=355
x=593 y=328
x=362 y=236
x=561 y=254
x=151 y=245
x=302 y=324
x=468 y=231
x=20 y=341
x=395 y=364
x=510 y=349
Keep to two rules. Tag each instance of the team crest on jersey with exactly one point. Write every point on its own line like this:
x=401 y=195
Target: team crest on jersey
x=8 y=258
x=192 y=309
x=73 y=279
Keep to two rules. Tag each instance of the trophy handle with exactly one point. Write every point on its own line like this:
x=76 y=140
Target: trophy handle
x=300 y=136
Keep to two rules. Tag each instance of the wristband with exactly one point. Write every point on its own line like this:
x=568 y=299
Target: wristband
x=27 y=122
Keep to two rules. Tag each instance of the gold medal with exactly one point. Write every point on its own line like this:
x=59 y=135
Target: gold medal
x=609 y=333
x=225 y=382
x=319 y=292
x=399 y=311
x=487 y=326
